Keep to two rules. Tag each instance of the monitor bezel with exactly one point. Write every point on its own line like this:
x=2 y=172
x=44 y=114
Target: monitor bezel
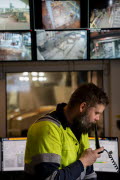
x=31 y=17
x=33 y=44
x=1 y=141
x=89 y=44
x=84 y=23
x=67 y=60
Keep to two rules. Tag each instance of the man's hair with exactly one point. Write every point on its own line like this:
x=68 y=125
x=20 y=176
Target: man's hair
x=89 y=93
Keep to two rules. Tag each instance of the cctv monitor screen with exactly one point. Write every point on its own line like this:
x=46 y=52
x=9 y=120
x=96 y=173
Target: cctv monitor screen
x=13 y=151
x=15 y=46
x=61 y=45
x=104 y=13
x=14 y=15
x=61 y=14
x=105 y=163
x=104 y=44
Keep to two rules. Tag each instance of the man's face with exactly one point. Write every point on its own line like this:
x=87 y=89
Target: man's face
x=85 y=121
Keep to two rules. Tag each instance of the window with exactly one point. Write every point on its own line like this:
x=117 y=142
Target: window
x=33 y=94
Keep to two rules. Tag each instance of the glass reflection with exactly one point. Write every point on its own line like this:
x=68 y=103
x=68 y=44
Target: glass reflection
x=33 y=94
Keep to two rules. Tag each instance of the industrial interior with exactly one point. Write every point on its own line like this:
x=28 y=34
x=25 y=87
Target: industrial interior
x=105 y=16
x=104 y=45
x=61 y=14
x=14 y=15
x=61 y=45
x=14 y=46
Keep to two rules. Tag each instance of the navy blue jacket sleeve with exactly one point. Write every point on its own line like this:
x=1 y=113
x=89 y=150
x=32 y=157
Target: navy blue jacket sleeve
x=46 y=171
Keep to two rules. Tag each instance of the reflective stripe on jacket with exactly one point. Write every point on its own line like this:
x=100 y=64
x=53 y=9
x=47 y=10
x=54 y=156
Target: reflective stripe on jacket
x=49 y=142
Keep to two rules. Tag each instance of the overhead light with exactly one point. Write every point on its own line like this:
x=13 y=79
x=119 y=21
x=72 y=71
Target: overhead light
x=34 y=78
x=24 y=78
x=21 y=78
x=34 y=73
x=42 y=78
x=41 y=73
x=19 y=118
x=25 y=73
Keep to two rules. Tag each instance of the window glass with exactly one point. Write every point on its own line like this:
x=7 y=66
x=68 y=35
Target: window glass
x=33 y=94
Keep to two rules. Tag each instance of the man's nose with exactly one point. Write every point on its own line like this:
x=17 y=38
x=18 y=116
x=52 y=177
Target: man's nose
x=97 y=118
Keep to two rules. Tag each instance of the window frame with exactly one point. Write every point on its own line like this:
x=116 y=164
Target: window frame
x=56 y=66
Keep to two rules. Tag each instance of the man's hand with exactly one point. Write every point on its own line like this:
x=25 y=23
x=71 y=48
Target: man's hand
x=89 y=156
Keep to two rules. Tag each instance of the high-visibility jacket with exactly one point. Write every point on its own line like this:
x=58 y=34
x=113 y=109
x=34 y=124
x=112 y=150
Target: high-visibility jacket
x=48 y=141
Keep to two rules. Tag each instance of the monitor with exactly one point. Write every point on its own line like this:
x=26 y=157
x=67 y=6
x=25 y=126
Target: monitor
x=14 y=15
x=104 y=13
x=104 y=44
x=13 y=151
x=61 y=14
x=61 y=44
x=15 y=45
x=105 y=163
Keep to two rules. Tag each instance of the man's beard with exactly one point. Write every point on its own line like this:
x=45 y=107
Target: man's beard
x=82 y=123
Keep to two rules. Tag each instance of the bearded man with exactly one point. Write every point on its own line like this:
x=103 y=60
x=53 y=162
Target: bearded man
x=57 y=144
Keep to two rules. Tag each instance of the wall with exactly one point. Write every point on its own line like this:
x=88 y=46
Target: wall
x=115 y=98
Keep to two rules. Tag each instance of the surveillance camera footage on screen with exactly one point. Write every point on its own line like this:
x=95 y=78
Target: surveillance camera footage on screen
x=104 y=13
x=104 y=43
x=15 y=46
x=61 y=45
x=61 y=14
x=14 y=15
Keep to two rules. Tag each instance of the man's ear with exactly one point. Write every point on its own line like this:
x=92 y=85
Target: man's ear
x=82 y=106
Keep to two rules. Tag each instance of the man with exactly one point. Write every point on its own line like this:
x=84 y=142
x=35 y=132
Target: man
x=57 y=144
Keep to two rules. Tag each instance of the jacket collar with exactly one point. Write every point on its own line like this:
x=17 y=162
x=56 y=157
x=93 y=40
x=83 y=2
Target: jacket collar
x=59 y=115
